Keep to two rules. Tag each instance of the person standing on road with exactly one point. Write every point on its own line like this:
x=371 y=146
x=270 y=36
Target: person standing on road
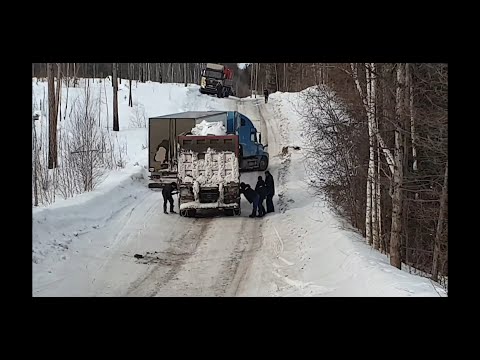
x=251 y=196
x=219 y=89
x=167 y=192
x=261 y=190
x=270 y=185
x=265 y=93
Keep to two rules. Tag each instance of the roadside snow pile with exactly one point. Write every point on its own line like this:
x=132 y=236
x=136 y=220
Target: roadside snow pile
x=209 y=128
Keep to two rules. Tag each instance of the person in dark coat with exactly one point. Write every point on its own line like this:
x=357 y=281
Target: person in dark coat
x=251 y=196
x=219 y=89
x=265 y=93
x=270 y=185
x=261 y=190
x=167 y=192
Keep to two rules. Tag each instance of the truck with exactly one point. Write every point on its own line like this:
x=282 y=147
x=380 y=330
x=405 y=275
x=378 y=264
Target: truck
x=208 y=174
x=163 y=132
x=212 y=75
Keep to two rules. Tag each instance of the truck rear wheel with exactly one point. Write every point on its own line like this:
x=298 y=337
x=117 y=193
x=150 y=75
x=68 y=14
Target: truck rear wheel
x=263 y=163
x=237 y=211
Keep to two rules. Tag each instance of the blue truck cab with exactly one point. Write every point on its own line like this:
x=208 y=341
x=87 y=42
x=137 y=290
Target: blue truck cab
x=252 y=153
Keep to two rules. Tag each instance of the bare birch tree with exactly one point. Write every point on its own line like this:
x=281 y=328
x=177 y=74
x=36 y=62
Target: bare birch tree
x=116 y=126
x=52 y=116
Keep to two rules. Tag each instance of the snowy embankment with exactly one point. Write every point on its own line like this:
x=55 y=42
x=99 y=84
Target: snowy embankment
x=316 y=253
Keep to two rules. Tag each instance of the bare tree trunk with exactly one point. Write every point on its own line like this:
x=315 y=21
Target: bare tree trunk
x=68 y=85
x=58 y=91
x=185 y=73
x=276 y=77
x=374 y=180
x=100 y=107
x=256 y=80
x=301 y=77
x=130 y=101
x=35 y=163
x=106 y=102
x=285 y=88
x=388 y=155
x=379 y=202
x=74 y=74
x=412 y=116
x=371 y=161
x=370 y=110
x=52 y=116
x=326 y=74
x=396 y=231
x=252 y=71
x=116 y=126
x=373 y=112
x=436 y=249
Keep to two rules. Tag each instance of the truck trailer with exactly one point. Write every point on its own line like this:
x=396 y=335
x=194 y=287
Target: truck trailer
x=163 y=142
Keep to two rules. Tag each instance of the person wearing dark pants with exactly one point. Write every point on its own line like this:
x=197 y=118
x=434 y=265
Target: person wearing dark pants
x=270 y=185
x=219 y=89
x=265 y=93
x=262 y=193
x=167 y=192
x=251 y=196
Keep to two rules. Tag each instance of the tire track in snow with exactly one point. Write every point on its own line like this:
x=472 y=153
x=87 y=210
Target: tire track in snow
x=155 y=279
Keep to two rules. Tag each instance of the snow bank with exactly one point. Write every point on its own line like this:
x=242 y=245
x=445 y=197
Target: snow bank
x=209 y=128
x=309 y=251
x=54 y=228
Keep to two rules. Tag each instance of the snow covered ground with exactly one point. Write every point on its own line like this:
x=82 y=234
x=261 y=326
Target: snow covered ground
x=312 y=251
x=85 y=246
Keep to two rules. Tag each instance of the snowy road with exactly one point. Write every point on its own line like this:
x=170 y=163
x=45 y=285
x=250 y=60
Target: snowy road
x=87 y=246
x=206 y=256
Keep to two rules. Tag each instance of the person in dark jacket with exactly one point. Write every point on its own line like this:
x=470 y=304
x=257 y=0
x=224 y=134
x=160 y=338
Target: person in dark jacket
x=270 y=185
x=251 y=196
x=261 y=190
x=219 y=89
x=167 y=192
x=265 y=93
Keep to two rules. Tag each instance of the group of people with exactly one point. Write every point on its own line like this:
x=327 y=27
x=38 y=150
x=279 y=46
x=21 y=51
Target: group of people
x=264 y=190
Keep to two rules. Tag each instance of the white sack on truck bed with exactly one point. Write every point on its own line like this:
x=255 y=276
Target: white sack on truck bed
x=206 y=128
